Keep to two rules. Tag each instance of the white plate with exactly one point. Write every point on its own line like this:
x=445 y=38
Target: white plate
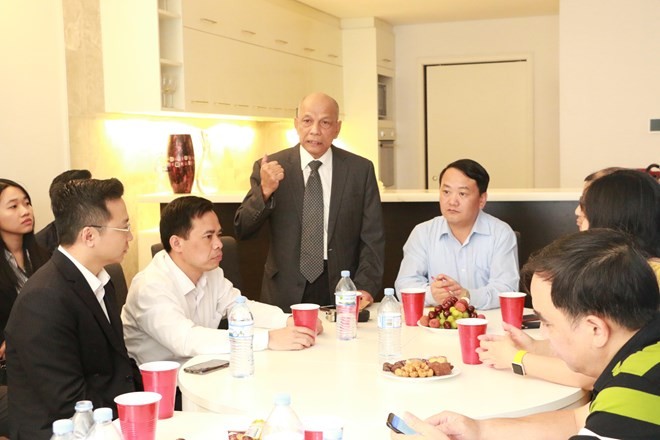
x=434 y=330
x=454 y=372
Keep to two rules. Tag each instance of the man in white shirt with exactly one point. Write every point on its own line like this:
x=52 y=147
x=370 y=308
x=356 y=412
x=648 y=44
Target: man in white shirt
x=465 y=252
x=175 y=304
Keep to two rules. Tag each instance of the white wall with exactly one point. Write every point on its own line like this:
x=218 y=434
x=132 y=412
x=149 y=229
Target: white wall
x=416 y=44
x=610 y=85
x=33 y=114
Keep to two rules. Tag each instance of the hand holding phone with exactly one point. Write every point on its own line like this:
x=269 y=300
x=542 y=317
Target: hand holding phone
x=396 y=424
x=207 y=367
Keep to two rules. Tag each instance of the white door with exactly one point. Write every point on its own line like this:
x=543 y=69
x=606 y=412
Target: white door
x=481 y=111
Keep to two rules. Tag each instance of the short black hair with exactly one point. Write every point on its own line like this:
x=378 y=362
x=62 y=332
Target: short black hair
x=599 y=272
x=66 y=177
x=628 y=201
x=176 y=218
x=81 y=203
x=473 y=170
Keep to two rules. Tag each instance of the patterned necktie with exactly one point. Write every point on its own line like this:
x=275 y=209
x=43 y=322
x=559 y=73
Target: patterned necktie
x=311 y=241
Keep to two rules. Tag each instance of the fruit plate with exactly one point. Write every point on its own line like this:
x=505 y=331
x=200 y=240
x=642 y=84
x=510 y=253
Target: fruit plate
x=454 y=372
x=434 y=330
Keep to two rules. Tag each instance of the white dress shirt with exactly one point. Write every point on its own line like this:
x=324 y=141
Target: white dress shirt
x=167 y=317
x=325 y=173
x=96 y=283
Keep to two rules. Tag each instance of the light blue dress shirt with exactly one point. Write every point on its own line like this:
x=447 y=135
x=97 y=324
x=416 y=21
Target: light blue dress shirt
x=486 y=264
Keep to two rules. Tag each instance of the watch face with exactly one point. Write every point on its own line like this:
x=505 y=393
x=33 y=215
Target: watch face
x=518 y=369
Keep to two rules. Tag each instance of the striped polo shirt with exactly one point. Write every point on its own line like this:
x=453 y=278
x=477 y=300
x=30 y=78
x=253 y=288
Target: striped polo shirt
x=626 y=397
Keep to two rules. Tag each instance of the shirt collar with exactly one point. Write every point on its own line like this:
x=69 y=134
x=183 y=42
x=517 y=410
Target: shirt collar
x=95 y=281
x=480 y=227
x=185 y=284
x=306 y=158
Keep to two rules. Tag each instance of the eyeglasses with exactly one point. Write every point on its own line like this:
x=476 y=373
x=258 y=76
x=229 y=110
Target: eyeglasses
x=126 y=229
x=323 y=123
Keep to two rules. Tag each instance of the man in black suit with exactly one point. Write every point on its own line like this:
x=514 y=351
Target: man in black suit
x=64 y=336
x=352 y=234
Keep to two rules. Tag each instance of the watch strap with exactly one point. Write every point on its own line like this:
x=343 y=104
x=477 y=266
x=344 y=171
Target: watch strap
x=517 y=364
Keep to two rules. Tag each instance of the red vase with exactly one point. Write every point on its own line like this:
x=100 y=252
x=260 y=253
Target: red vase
x=181 y=163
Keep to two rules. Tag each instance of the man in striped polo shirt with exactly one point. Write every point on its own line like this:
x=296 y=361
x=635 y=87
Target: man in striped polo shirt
x=598 y=301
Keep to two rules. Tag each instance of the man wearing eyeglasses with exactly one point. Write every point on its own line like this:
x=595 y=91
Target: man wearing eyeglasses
x=64 y=335
x=344 y=231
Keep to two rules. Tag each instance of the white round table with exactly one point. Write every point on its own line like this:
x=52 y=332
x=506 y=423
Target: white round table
x=345 y=379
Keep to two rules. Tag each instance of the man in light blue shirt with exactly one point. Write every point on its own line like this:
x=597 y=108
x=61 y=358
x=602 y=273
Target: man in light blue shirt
x=465 y=252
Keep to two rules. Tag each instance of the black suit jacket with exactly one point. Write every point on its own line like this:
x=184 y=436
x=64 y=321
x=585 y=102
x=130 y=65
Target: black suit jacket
x=356 y=239
x=61 y=349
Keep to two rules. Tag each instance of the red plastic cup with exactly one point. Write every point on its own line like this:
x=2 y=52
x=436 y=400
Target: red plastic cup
x=160 y=377
x=512 y=305
x=358 y=298
x=138 y=414
x=413 y=303
x=318 y=428
x=468 y=330
x=306 y=315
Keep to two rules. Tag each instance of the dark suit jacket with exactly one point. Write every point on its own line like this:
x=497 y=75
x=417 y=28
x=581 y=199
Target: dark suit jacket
x=61 y=349
x=356 y=240
x=48 y=238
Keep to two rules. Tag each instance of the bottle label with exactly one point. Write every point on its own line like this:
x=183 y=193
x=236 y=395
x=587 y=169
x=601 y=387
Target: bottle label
x=389 y=320
x=345 y=298
x=241 y=329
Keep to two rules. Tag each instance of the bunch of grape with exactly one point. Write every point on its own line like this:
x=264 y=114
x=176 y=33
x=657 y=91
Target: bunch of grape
x=446 y=314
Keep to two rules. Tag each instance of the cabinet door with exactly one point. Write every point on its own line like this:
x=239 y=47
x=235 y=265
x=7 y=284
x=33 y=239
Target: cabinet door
x=198 y=74
x=385 y=49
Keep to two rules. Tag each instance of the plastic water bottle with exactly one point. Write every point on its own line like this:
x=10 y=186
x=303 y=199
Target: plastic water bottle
x=283 y=423
x=82 y=419
x=346 y=296
x=62 y=429
x=103 y=428
x=241 y=331
x=389 y=328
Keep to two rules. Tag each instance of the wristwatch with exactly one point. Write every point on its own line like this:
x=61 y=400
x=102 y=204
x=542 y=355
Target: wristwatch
x=517 y=364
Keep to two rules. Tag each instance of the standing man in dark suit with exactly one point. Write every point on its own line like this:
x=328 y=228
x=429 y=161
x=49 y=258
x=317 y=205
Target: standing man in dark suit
x=64 y=336
x=352 y=224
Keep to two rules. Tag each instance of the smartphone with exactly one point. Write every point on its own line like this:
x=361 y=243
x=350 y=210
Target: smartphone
x=531 y=320
x=397 y=425
x=207 y=367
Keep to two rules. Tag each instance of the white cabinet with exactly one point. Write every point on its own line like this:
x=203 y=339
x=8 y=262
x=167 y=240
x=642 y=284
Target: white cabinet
x=249 y=58
x=385 y=49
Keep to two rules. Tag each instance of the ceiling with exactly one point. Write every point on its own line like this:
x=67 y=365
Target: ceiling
x=400 y=12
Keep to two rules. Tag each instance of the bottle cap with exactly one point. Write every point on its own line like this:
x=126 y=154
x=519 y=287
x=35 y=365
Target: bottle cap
x=240 y=299
x=282 y=399
x=389 y=291
x=345 y=273
x=84 y=405
x=102 y=415
x=62 y=426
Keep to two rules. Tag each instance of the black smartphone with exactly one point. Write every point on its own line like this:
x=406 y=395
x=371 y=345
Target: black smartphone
x=531 y=320
x=396 y=424
x=207 y=367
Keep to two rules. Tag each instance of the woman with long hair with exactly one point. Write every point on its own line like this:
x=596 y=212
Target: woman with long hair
x=625 y=200
x=20 y=256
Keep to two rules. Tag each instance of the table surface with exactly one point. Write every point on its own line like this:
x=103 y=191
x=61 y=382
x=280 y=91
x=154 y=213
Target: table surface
x=345 y=379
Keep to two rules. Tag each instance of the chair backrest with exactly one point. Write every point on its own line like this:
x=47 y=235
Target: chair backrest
x=230 y=263
x=119 y=281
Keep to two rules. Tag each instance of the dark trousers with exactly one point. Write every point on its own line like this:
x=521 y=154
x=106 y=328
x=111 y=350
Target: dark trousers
x=318 y=292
